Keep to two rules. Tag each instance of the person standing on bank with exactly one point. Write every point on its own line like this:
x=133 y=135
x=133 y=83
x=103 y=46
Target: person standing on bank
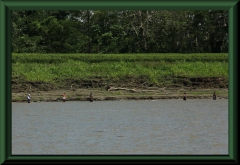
x=91 y=97
x=64 y=97
x=184 y=96
x=29 y=98
x=214 y=96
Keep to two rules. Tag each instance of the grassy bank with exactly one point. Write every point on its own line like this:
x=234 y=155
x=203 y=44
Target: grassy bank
x=118 y=76
x=156 y=69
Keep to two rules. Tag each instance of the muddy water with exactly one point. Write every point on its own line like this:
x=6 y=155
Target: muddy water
x=161 y=127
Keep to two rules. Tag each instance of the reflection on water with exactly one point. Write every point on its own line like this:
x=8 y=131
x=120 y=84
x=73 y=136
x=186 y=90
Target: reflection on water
x=160 y=127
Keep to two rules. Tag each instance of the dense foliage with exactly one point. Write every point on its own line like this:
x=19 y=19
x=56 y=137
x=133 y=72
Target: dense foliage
x=119 y=31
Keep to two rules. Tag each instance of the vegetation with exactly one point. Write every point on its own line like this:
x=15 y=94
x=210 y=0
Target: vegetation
x=155 y=69
x=133 y=54
x=120 y=31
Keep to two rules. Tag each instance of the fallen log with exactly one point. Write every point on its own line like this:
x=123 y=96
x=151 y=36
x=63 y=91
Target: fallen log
x=126 y=89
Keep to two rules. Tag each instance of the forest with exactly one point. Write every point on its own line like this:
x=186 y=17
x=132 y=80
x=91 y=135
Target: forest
x=119 y=31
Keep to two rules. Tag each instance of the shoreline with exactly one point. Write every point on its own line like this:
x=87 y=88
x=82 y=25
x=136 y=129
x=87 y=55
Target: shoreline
x=135 y=99
x=119 y=94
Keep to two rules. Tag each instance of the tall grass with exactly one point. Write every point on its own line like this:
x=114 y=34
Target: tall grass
x=93 y=58
x=118 y=67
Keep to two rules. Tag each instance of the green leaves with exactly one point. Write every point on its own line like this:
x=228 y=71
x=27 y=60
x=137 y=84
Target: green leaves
x=116 y=31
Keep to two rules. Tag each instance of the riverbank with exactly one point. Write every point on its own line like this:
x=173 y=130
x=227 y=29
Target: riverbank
x=133 y=89
x=120 y=94
x=118 y=76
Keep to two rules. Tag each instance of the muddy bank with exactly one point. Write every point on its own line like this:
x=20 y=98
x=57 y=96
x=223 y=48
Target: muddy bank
x=121 y=94
x=133 y=89
x=21 y=85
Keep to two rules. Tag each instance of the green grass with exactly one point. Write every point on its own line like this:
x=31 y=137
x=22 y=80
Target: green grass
x=96 y=58
x=154 y=68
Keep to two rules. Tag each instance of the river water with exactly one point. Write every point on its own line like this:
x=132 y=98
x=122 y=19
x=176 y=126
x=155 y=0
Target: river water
x=160 y=127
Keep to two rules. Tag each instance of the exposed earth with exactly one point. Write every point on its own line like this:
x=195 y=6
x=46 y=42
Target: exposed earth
x=133 y=89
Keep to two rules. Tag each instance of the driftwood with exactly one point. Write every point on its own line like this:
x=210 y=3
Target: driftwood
x=134 y=90
x=114 y=89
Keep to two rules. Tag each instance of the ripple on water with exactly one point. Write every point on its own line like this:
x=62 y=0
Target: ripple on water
x=159 y=127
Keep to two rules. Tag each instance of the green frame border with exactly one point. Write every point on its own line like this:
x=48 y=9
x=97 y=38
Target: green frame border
x=6 y=6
